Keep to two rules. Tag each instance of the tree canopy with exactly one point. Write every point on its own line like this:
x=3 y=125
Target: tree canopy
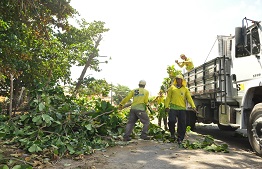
x=39 y=46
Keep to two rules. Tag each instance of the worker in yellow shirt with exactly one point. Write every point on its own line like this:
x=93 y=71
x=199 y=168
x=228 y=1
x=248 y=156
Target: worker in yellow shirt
x=137 y=111
x=162 y=114
x=177 y=97
x=187 y=62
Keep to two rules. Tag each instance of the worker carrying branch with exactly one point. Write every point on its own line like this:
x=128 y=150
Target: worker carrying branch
x=186 y=62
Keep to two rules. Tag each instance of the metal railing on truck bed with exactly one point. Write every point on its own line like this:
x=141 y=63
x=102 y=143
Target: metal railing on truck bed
x=209 y=81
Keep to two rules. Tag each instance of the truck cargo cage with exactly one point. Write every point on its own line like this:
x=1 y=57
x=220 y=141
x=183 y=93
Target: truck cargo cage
x=209 y=80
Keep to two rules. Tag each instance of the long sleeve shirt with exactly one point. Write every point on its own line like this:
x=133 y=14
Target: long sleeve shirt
x=177 y=97
x=140 y=99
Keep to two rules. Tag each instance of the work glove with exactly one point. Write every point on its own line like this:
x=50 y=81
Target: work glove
x=167 y=110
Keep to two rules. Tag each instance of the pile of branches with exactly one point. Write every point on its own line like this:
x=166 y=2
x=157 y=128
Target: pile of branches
x=58 y=125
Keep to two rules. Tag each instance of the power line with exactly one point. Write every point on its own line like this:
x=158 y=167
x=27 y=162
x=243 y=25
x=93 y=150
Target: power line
x=210 y=50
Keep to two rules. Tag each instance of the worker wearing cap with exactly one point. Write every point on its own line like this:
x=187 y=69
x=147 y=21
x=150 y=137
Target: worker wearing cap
x=175 y=104
x=137 y=111
x=186 y=62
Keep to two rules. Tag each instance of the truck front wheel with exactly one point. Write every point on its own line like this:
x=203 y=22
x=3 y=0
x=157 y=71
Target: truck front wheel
x=254 y=129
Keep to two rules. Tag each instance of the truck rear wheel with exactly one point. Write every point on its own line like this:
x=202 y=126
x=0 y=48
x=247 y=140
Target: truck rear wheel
x=254 y=129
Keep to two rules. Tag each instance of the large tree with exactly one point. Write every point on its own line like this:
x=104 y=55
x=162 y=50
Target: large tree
x=38 y=45
x=27 y=41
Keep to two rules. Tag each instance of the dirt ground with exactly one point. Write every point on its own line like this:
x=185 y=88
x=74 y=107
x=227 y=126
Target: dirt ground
x=138 y=154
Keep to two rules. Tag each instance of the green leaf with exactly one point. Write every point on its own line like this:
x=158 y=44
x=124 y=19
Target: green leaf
x=34 y=148
x=2 y=134
x=212 y=147
x=57 y=122
x=59 y=116
x=17 y=167
x=41 y=107
x=104 y=105
x=188 y=129
x=24 y=141
x=35 y=101
x=24 y=117
x=88 y=127
x=37 y=120
x=47 y=118
x=18 y=132
x=224 y=146
x=196 y=145
x=59 y=142
x=55 y=152
x=208 y=140
x=70 y=149
x=5 y=167
x=26 y=167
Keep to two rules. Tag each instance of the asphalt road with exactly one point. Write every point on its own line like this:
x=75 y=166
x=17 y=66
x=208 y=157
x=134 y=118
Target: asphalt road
x=151 y=154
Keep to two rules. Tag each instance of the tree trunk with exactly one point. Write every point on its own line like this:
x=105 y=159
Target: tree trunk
x=19 y=98
x=88 y=62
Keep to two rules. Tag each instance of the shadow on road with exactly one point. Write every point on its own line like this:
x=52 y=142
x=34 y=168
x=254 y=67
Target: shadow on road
x=232 y=138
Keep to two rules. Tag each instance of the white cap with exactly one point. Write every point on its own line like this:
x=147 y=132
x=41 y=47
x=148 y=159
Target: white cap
x=142 y=82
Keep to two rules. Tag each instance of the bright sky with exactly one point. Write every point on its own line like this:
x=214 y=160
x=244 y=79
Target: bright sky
x=146 y=36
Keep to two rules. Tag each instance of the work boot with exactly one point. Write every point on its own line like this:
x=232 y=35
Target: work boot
x=145 y=137
x=173 y=136
x=179 y=141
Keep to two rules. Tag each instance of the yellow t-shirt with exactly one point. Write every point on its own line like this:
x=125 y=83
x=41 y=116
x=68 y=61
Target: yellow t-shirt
x=177 y=97
x=140 y=99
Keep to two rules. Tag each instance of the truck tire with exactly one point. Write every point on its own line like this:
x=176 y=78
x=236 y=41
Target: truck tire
x=226 y=128
x=191 y=119
x=254 y=129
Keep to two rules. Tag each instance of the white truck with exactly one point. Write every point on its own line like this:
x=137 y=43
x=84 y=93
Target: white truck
x=227 y=90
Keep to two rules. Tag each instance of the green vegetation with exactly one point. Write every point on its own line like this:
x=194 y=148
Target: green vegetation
x=207 y=144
